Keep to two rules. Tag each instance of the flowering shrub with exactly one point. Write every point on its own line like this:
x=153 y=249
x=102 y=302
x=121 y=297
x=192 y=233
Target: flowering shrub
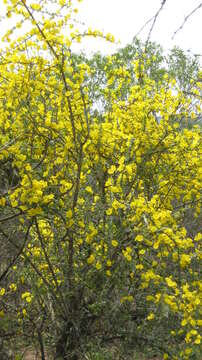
x=94 y=203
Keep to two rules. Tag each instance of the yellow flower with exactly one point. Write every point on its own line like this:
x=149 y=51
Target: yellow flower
x=188 y=351
x=139 y=266
x=13 y=287
x=114 y=243
x=128 y=257
x=29 y=299
x=36 y=211
x=170 y=282
x=126 y=298
x=185 y=260
x=27 y=296
x=151 y=316
x=139 y=238
x=2 y=202
x=89 y=190
x=198 y=237
x=198 y=340
x=184 y=322
x=91 y=259
x=2 y=291
x=69 y=214
x=98 y=266
x=112 y=169
x=109 y=211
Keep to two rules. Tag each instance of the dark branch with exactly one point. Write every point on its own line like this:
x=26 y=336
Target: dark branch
x=186 y=19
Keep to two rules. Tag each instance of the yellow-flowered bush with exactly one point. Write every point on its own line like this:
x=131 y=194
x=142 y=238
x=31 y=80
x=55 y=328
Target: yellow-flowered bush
x=98 y=203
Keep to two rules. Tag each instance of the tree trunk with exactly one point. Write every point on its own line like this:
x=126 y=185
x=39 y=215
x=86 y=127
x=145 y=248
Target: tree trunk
x=67 y=345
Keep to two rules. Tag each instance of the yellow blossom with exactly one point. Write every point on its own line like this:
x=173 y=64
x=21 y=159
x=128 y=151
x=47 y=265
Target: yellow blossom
x=2 y=291
x=114 y=243
x=151 y=316
x=91 y=259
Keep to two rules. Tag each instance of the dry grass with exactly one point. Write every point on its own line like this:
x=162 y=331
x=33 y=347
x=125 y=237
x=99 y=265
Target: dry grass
x=30 y=354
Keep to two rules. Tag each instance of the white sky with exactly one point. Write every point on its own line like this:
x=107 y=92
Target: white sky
x=124 y=18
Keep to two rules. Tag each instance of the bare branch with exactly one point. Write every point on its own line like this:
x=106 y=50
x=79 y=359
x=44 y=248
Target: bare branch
x=186 y=19
x=32 y=264
x=142 y=28
x=154 y=21
x=20 y=251
x=10 y=217
x=50 y=265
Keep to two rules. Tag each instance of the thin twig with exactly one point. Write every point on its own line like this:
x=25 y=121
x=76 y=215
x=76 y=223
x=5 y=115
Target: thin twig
x=155 y=18
x=50 y=265
x=3 y=275
x=28 y=258
x=142 y=28
x=10 y=217
x=185 y=19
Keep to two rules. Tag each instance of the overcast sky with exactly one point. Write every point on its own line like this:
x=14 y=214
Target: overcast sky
x=124 y=18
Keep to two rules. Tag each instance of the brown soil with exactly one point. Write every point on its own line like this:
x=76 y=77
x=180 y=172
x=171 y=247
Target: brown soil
x=33 y=355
